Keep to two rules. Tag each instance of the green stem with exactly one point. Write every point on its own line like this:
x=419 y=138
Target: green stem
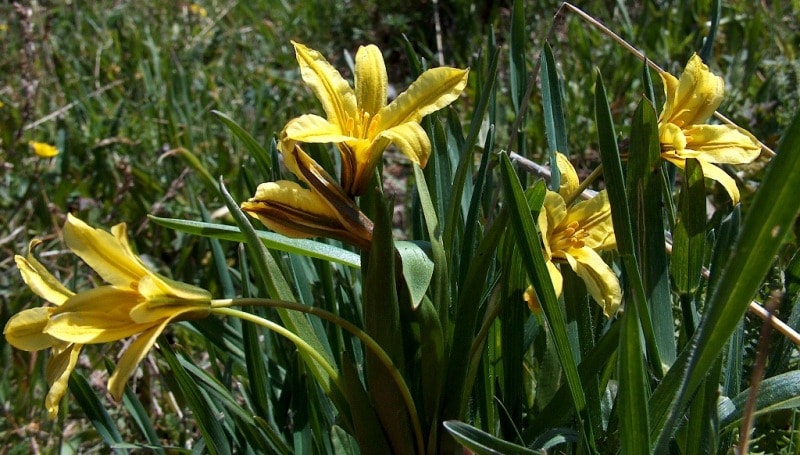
x=220 y=307
x=299 y=342
x=584 y=184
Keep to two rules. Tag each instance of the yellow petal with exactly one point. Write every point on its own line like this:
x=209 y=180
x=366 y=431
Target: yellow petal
x=25 y=330
x=59 y=368
x=601 y=282
x=714 y=173
x=98 y=315
x=554 y=210
x=42 y=282
x=594 y=217
x=371 y=81
x=43 y=150
x=337 y=97
x=410 y=139
x=312 y=128
x=111 y=259
x=556 y=278
x=697 y=95
x=569 y=178
x=132 y=357
x=160 y=290
x=722 y=144
x=433 y=90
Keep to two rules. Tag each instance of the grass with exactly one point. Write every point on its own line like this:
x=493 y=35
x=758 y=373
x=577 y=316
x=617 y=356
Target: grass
x=121 y=88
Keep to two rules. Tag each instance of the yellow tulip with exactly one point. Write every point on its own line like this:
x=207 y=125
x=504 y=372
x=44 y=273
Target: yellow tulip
x=683 y=133
x=359 y=121
x=573 y=236
x=136 y=302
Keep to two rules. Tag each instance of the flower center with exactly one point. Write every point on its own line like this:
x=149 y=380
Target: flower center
x=569 y=237
x=364 y=126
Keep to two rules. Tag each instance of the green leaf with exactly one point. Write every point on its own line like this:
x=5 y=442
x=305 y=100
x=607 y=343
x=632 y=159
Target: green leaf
x=482 y=443
x=261 y=155
x=417 y=269
x=271 y=240
x=775 y=393
x=615 y=184
x=210 y=427
x=644 y=184
x=773 y=210
x=555 y=125
x=529 y=243
x=516 y=50
x=689 y=236
x=94 y=409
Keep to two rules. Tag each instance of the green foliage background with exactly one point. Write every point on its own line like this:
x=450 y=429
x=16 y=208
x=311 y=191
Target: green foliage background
x=124 y=89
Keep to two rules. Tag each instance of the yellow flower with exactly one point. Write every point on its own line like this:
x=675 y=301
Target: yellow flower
x=573 y=235
x=324 y=210
x=198 y=10
x=137 y=302
x=43 y=150
x=683 y=134
x=359 y=121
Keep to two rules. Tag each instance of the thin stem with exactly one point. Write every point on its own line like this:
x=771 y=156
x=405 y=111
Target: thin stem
x=299 y=342
x=369 y=342
x=584 y=184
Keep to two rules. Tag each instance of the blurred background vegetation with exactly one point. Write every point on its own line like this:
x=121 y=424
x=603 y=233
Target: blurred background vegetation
x=122 y=88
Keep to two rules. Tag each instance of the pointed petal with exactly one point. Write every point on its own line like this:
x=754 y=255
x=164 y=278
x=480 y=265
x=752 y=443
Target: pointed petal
x=337 y=97
x=132 y=357
x=25 y=330
x=371 y=80
x=601 y=282
x=42 y=282
x=313 y=128
x=59 y=368
x=594 y=216
x=722 y=144
x=410 y=138
x=111 y=259
x=433 y=90
x=714 y=173
x=160 y=306
x=697 y=96
x=569 y=178
x=556 y=278
x=98 y=315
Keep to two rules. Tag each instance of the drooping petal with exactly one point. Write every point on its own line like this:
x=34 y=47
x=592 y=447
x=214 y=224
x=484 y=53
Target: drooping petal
x=25 y=330
x=594 y=217
x=722 y=144
x=371 y=81
x=569 y=178
x=98 y=315
x=59 y=368
x=337 y=97
x=601 y=281
x=410 y=138
x=555 y=277
x=41 y=282
x=433 y=90
x=697 y=95
x=112 y=260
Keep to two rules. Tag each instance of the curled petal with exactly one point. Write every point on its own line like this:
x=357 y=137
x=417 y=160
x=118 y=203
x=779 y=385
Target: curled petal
x=433 y=90
x=335 y=94
x=569 y=178
x=371 y=81
x=693 y=98
x=722 y=144
x=672 y=138
x=41 y=282
x=59 y=368
x=312 y=128
x=105 y=253
x=25 y=330
x=601 y=282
